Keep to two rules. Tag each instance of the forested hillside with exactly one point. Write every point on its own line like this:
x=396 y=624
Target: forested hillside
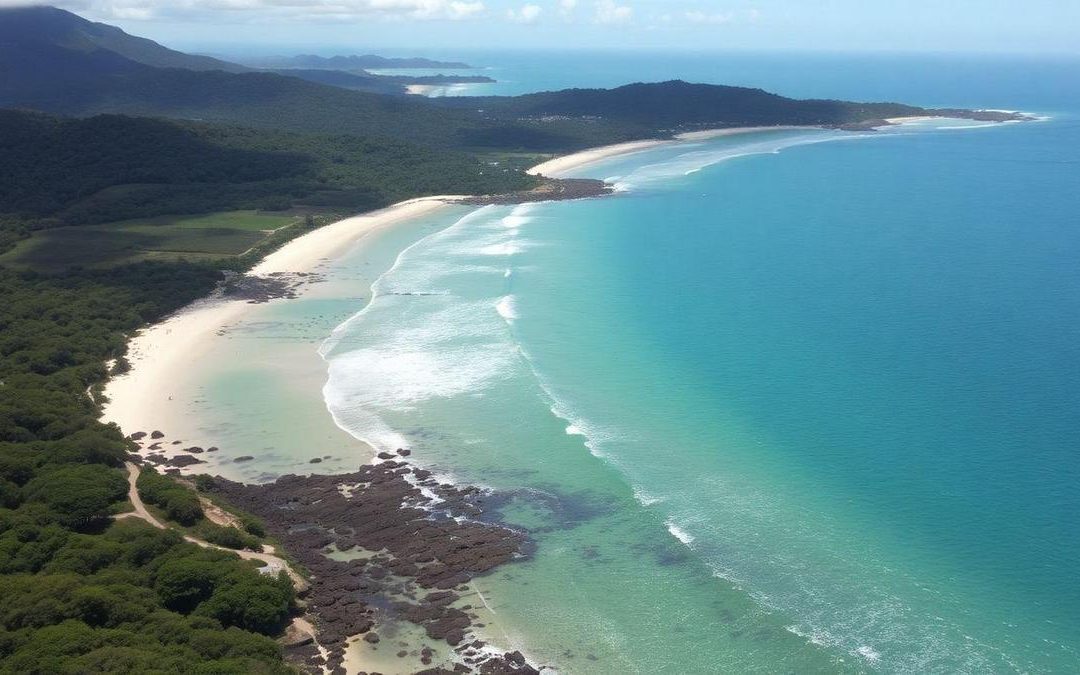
x=83 y=593
x=27 y=26
x=677 y=104
x=59 y=171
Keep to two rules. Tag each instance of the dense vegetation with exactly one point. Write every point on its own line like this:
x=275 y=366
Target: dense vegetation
x=59 y=171
x=82 y=592
x=681 y=105
x=181 y=505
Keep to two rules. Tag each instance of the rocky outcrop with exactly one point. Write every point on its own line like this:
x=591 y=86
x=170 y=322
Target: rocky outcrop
x=550 y=189
x=426 y=539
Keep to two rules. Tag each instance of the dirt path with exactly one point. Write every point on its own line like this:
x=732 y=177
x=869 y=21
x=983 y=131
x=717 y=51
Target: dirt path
x=267 y=556
x=274 y=563
x=137 y=502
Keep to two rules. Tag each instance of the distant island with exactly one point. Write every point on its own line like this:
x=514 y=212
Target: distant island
x=378 y=84
x=354 y=62
x=352 y=72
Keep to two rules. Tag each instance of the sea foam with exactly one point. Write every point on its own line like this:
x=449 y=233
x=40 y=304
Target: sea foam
x=507 y=307
x=679 y=533
x=418 y=339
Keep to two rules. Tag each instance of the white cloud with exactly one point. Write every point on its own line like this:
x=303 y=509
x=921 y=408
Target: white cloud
x=463 y=10
x=527 y=13
x=608 y=11
x=719 y=18
x=697 y=16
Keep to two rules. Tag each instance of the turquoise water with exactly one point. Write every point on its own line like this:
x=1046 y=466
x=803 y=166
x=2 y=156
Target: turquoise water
x=796 y=401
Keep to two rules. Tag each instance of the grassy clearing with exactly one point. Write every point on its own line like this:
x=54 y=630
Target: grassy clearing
x=192 y=238
x=256 y=221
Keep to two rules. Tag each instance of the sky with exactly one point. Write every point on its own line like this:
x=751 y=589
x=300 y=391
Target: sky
x=1036 y=26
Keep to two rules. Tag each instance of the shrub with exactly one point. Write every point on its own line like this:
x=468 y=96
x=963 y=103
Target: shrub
x=229 y=537
x=78 y=494
x=179 y=503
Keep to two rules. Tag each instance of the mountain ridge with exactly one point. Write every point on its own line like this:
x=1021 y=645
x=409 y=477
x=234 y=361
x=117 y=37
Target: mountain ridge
x=36 y=24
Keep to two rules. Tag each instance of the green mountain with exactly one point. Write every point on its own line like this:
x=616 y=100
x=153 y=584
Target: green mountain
x=49 y=64
x=27 y=26
x=63 y=81
x=680 y=105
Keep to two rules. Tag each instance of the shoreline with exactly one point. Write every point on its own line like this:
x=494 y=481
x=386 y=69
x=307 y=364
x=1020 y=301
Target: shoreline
x=138 y=400
x=160 y=354
x=557 y=167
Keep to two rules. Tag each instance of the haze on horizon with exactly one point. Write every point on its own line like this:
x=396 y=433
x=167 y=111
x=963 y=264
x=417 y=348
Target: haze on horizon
x=1031 y=26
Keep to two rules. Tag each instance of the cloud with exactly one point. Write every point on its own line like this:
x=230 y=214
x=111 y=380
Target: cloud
x=527 y=14
x=463 y=10
x=608 y=11
x=719 y=18
x=697 y=16
x=343 y=10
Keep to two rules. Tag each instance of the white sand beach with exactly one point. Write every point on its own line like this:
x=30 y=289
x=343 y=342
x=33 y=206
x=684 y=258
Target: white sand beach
x=558 y=167
x=912 y=119
x=161 y=355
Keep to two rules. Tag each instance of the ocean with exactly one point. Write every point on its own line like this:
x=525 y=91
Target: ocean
x=792 y=401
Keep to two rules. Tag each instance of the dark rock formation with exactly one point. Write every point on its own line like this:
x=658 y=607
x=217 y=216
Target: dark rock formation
x=183 y=460
x=551 y=189
x=425 y=548
x=260 y=289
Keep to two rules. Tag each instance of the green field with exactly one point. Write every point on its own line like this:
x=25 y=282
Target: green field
x=171 y=237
